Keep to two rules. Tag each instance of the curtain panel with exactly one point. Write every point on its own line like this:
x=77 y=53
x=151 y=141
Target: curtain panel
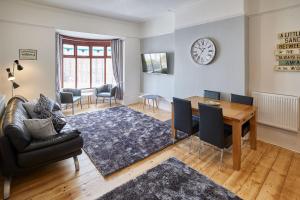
x=58 y=65
x=117 y=64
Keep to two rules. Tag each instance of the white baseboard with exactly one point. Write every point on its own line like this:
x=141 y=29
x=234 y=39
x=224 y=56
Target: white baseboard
x=286 y=139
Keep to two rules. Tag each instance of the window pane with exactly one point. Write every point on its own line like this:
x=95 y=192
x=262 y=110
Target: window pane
x=109 y=72
x=83 y=73
x=108 y=51
x=97 y=72
x=68 y=49
x=83 y=50
x=98 y=51
x=69 y=73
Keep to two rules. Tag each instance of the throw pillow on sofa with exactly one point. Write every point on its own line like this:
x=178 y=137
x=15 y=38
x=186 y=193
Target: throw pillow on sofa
x=40 y=128
x=29 y=107
x=44 y=103
x=58 y=121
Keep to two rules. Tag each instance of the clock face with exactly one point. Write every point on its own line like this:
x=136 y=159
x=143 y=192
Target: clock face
x=203 y=51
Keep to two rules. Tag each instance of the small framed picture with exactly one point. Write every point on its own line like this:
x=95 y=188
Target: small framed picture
x=27 y=54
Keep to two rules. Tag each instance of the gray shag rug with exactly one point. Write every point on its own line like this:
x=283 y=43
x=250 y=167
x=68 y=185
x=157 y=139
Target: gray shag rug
x=117 y=137
x=170 y=180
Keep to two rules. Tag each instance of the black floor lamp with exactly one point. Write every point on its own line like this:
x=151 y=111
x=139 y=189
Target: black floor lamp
x=11 y=75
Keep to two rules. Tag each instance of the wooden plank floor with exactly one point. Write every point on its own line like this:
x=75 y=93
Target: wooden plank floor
x=270 y=172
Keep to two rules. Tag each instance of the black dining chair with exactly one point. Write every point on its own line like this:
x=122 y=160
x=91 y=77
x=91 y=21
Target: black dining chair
x=212 y=94
x=183 y=119
x=212 y=129
x=246 y=100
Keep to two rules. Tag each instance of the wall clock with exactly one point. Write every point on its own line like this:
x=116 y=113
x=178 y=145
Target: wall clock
x=203 y=51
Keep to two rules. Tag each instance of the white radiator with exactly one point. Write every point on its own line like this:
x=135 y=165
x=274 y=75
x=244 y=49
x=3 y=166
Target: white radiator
x=281 y=111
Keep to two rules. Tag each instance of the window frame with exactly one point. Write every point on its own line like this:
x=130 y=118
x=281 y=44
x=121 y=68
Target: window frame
x=84 y=42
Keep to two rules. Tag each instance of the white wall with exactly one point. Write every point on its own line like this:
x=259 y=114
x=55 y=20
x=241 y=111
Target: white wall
x=26 y=25
x=159 y=26
x=208 y=11
x=270 y=18
x=132 y=71
x=37 y=76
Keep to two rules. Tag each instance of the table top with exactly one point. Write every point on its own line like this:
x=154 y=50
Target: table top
x=87 y=93
x=231 y=111
x=150 y=96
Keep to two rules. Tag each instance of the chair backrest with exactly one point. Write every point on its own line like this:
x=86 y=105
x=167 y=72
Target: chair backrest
x=211 y=126
x=212 y=94
x=113 y=91
x=235 y=98
x=75 y=92
x=183 y=115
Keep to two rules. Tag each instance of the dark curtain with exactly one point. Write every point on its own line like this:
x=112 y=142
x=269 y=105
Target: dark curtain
x=117 y=64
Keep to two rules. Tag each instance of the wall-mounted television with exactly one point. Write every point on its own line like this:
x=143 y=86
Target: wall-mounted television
x=155 y=63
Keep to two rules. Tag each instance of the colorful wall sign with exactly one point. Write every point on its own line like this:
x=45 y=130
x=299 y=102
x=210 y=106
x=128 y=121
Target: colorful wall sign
x=288 y=52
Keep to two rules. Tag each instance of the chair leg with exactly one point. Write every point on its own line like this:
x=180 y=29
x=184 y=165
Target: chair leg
x=221 y=158
x=72 y=108
x=110 y=101
x=103 y=99
x=80 y=104
x=76 y=163
x=115 y=100
x=6 y=187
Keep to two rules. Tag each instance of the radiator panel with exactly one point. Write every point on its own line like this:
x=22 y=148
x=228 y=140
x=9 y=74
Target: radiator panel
x=281 y=111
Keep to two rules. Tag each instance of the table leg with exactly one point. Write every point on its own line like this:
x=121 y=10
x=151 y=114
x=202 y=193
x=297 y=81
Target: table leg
x=236 y=143
x=172 y=122
x=156 y=102
x=253 y=134
x=153 y=104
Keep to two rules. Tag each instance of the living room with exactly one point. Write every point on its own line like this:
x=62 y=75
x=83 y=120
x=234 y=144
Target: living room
x=133 y=128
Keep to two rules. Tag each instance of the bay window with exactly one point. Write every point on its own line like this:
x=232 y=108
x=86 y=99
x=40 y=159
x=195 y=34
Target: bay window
x=86 y=63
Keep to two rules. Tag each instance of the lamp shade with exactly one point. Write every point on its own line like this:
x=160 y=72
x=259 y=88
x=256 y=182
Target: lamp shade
x=19 y=67
x=15 y=85
x=10 y=76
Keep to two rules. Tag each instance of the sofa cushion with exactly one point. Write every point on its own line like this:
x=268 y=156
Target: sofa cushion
x=29 y=107
x=44 y=103
x=52 y=140
x=40 y=128
x=50 y=153
x=57 y=120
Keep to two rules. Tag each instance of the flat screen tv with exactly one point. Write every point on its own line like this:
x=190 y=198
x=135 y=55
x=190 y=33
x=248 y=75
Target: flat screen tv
x=155 y=63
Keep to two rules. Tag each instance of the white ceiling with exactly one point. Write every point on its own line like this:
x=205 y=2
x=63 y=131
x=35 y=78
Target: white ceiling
x=130 y=10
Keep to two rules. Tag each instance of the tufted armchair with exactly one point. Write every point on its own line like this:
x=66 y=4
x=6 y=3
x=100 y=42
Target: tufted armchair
x=106 y=91
x=70 y=96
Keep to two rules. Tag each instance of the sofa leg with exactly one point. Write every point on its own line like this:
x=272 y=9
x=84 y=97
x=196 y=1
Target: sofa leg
x=6 y=189
x=76 y=163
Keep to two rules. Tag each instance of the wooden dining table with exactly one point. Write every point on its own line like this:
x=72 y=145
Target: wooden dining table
x=235 y=115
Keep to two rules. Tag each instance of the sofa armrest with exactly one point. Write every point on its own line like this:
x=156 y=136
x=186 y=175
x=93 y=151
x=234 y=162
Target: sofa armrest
x=53 y=140
x=66 y=97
